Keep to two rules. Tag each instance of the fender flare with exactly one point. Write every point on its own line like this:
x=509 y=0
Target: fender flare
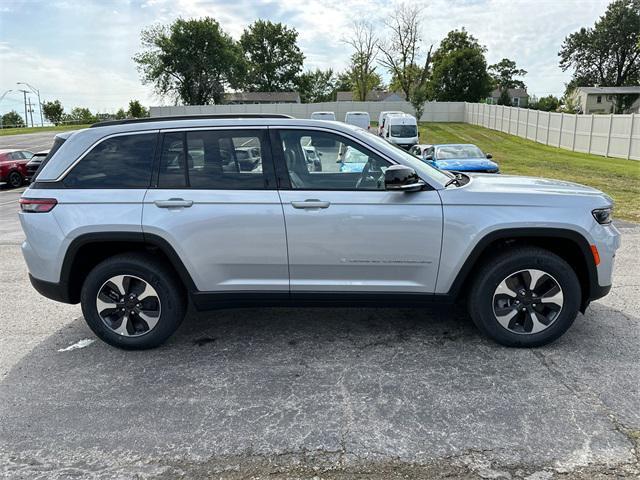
x=143 y=239
x=531 y=232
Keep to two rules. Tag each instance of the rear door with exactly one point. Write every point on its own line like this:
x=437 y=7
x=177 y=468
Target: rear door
x=345 y=232
x=223 y=219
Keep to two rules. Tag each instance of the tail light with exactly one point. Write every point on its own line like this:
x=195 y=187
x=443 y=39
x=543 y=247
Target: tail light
x=37 y=205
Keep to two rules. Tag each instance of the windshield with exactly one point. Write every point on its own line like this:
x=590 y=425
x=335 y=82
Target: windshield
x=451 y=152
x=403 y=131
x=424 y=170
x=354 y=156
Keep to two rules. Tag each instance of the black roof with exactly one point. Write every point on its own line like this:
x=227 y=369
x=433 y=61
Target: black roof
x=189 y=117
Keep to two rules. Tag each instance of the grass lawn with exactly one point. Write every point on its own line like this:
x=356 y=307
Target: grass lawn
x=617 y=177
x=59 y=128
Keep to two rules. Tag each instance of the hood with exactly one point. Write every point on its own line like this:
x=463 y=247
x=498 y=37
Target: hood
x=504 y=190
x=466 y=164
x=533 y=185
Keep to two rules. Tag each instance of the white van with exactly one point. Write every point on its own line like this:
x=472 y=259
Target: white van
x=323 y=116
x=359 y=119
x=382 y=116
x=401 y=130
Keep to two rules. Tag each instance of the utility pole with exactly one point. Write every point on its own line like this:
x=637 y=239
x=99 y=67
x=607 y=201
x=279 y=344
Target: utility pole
x=31 y=112
x=24 y=92
x=37 y=92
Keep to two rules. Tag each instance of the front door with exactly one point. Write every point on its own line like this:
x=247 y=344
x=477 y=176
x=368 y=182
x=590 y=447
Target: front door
x=345 y=232
x=216 y=204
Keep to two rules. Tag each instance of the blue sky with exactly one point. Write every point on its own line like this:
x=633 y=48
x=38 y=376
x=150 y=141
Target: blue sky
x=80 y=51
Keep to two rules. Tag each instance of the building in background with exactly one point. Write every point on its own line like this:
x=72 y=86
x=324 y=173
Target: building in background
x=519 y=97
x=602 y=99
x=252 y=98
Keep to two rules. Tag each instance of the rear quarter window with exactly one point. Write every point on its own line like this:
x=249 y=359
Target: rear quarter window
x=124 y=161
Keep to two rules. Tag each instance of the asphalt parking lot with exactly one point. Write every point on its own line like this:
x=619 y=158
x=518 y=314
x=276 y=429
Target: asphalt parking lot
x=316 y=393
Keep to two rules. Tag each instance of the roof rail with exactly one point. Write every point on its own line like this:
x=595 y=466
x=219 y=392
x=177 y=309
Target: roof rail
x=108 y=123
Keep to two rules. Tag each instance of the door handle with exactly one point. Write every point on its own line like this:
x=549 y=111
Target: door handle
x=311 y=203
x=173 y=203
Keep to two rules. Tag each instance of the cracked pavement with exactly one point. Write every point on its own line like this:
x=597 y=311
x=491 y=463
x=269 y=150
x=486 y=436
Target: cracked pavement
x=317 y=393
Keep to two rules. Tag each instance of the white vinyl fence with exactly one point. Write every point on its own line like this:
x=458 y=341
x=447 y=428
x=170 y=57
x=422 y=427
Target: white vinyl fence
x=606 y=135
x=433 y=112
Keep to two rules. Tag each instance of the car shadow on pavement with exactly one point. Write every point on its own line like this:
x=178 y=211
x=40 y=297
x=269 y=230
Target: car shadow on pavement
x=410 y=385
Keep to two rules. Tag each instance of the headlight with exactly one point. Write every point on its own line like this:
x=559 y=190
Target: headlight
x=603 y=215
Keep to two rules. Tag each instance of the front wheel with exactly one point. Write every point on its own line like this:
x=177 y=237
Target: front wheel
x=526 y=297
x=132 y=301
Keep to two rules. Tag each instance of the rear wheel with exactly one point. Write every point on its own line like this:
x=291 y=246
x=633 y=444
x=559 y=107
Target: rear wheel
x=526 y=297
x=15 y=179
x=132 y=301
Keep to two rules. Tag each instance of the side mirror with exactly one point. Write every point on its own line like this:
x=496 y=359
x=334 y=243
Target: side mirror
x=489 y=155
x=402 y=178
x=320 y=154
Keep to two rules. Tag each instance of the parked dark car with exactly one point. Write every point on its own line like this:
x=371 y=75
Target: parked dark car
x=13 y=166
x=34 y=163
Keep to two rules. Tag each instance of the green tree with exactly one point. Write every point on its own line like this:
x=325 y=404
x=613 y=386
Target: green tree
x=316 y=86
x=80 y=116
x=121 y=114
x=344 y=82
x=53 y=111
x=608 y=54
x=190 y=60
x=504 y=98
x=12 y=120
x=504 y=73
x=549 y=103
x=273 y=59
x=459 y=69
x=136 y=110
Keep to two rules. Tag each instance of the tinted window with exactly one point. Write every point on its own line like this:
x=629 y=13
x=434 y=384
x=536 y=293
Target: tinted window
x=403 y=130
x=459 y=151
x=213 y=159
x=337 y=163
x=118 y=162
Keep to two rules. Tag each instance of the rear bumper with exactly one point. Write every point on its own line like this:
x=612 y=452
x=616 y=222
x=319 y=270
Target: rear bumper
x=55 y=291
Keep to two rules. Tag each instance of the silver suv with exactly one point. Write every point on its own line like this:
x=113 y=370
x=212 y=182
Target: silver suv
x=135 y=219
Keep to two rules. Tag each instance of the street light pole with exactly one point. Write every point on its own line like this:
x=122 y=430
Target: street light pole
x=37 y=92
x=2 y=98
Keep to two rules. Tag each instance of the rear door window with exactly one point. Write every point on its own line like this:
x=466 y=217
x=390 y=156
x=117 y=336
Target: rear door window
x=216 y=160
x=123 y=161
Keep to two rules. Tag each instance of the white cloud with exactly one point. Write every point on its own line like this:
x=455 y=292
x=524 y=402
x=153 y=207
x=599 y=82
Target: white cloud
x=95 y=69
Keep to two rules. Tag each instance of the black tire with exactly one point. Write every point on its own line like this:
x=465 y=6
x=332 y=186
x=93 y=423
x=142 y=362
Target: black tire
x=170 y=293
x=15 y=179
x=493 y=272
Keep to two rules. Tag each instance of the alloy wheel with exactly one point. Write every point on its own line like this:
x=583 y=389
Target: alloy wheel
x=528 y=301
x=128 y=305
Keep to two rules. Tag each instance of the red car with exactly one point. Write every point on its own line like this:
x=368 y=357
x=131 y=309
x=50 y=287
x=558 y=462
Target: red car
x=13 y=166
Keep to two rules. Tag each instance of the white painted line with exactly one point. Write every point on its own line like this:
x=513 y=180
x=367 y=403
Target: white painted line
x=81 y=344
x=9 y=203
